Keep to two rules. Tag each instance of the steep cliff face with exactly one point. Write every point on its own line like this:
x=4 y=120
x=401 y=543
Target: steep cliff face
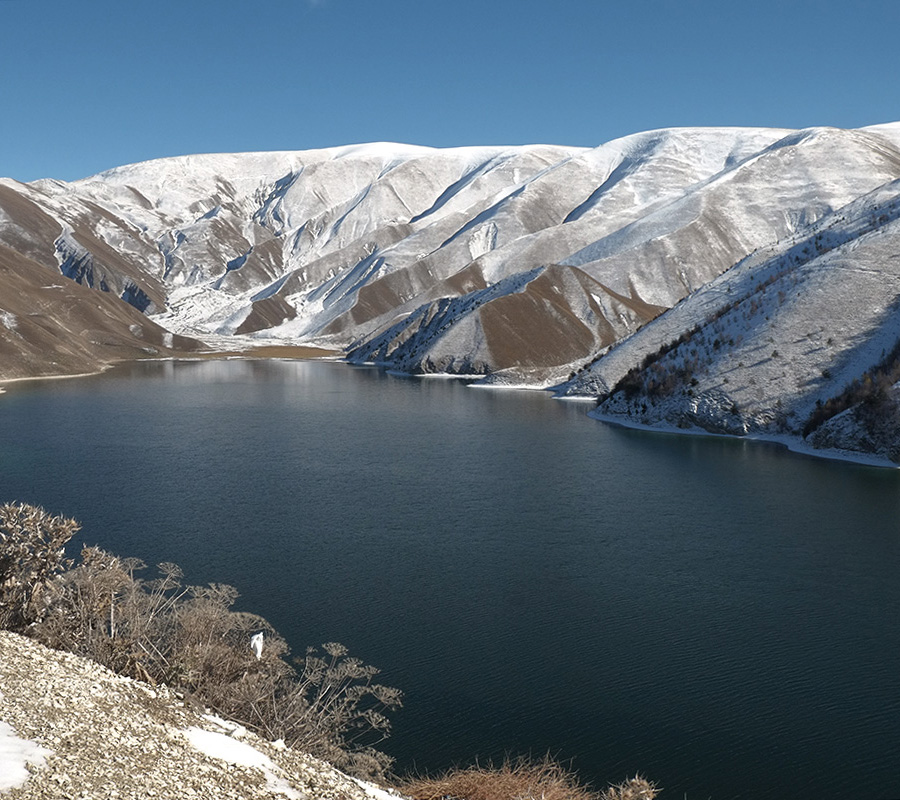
x=70 y=728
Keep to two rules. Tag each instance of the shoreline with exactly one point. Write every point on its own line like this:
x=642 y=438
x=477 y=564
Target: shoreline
x=56 y=377
x=793 y=444
x=263 y=353
x=300 y=352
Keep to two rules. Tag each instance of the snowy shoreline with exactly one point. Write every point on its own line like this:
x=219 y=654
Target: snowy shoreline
x=792 y=443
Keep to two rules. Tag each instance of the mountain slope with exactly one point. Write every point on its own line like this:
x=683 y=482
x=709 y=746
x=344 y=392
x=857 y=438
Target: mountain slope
x=523 y=265
x=53 y=326
x=790 y=338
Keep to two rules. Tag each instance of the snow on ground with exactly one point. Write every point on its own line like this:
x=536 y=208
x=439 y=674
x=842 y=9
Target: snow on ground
x=227 y=747
x=15 y=756
x=241 y=754
x=375 y=792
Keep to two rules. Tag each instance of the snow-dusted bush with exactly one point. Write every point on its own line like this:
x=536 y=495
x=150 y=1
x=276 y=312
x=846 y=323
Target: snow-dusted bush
x=32 y=551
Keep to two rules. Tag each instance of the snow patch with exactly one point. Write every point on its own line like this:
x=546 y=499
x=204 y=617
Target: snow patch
x=241 y=754
x=483 y=240
x=15 y=756
x=375 y=792
x=9 y=320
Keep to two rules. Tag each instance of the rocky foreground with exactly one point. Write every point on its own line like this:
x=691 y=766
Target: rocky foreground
x=86 y=732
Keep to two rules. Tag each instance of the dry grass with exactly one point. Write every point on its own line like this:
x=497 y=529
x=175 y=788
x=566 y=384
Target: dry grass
x=636 y=788
x=521 y=779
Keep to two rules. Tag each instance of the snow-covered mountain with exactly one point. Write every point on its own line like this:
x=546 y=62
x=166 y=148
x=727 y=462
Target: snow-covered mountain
x=800 y=338
x=528 y=265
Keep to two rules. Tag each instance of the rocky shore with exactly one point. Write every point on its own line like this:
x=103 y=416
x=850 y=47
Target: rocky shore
x=70 y=728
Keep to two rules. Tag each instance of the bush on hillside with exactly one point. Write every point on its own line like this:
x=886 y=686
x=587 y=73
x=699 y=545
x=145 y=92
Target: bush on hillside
x=871 y=391
x=164 y=631
x=519 y=779
x=32 y=551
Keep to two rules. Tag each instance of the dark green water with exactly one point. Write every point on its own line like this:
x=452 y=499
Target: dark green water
x=718 y=615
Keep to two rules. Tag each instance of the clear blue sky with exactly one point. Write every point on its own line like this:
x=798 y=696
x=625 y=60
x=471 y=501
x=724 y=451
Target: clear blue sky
x=89 y=85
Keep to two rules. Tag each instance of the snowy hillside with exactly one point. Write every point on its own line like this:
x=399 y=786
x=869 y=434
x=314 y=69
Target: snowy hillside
x=773 y=345
x=525 y=265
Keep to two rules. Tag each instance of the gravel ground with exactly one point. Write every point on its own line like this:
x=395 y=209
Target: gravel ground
x=112 y=737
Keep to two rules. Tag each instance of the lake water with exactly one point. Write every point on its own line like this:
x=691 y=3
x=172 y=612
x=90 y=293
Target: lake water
x=718 y=615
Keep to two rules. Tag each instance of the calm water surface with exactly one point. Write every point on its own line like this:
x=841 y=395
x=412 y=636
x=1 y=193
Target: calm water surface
x=718 y=615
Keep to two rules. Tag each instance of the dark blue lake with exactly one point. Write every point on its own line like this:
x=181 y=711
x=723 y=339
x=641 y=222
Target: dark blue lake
x=718 y=615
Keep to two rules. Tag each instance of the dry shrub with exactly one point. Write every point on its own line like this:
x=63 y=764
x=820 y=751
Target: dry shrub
x=32 y=546
x=163 y=631
x=636 y=788
x=188 y=637
x=519 y=779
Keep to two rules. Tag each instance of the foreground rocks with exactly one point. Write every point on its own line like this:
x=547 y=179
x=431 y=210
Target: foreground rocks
x=106 y=736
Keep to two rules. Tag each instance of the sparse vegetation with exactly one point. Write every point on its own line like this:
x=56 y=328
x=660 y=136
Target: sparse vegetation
x=870 y=391
x=188 y=637
x=520 y=779
x=651 y=379
x=669 y=369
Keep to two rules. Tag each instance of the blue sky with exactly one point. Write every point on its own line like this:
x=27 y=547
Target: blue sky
x=89 y=85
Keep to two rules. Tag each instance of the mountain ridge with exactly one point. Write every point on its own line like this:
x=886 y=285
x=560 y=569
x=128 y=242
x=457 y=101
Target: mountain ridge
x=535 y=265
